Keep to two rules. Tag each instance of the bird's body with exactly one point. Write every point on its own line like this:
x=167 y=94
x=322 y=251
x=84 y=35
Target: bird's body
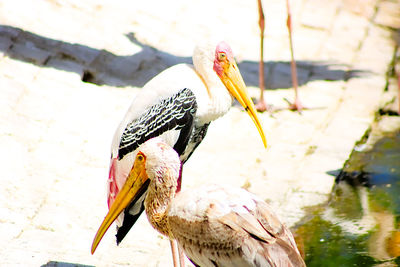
x=177 y=105
x=215 y=225
x=227 y=226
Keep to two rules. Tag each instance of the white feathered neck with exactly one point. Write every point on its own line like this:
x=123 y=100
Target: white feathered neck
x=217 y=101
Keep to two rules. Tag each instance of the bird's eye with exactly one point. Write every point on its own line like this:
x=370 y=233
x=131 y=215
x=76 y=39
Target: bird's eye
x=221 y=56
x=140 y=157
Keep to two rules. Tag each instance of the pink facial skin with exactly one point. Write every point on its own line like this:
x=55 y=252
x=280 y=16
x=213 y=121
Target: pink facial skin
x=222 y=47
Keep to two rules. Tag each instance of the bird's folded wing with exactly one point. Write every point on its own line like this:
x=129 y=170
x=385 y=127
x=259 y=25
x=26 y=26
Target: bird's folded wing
x=269 y=241
x=173 y=113
x=271 y=223
x=284 y=237
x=246 y=222
x=260 y=222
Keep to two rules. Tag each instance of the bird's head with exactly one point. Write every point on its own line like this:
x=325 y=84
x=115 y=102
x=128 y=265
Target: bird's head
x=223 y=57
x=156 y=161
x=227 y=70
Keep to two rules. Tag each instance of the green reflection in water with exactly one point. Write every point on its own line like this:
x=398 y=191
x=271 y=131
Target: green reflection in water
x=361 y=224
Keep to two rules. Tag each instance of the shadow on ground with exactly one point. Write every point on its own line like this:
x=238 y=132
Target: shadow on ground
x=103 y=67
x=64 y=264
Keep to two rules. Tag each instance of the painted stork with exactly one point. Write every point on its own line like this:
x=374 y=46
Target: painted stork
x=215 y=225
x=177 y=105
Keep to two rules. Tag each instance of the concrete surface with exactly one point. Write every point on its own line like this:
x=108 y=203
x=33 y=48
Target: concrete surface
x=56 y=130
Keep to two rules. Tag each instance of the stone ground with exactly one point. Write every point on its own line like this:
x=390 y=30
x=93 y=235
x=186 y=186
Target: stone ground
x=69 y=70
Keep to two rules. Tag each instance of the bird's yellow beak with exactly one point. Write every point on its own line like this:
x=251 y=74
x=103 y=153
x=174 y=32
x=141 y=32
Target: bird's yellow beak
x=233 y=81
x=134 y=184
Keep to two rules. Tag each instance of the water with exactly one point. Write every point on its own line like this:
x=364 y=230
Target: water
x=360 y=226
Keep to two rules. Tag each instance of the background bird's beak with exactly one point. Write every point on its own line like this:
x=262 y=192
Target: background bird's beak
x=233 y=81
x=136 y=180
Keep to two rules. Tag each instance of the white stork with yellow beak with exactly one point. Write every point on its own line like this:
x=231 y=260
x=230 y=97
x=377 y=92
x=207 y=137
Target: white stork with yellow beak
x=215 y=225
x=178 y=106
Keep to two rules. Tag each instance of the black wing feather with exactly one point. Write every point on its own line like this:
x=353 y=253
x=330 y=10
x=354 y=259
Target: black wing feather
x=173 y=113
x=129 y=219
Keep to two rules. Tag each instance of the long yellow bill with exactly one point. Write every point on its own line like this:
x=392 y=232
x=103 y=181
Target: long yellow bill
x=236 y=86
x=133 y=185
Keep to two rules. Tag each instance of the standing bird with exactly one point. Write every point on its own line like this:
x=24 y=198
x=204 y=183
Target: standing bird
x=261 y=105
x=215 y=225
x=177 y=105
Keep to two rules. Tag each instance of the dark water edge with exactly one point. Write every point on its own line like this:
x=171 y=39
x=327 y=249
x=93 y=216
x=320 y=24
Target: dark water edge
x=360 y=226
